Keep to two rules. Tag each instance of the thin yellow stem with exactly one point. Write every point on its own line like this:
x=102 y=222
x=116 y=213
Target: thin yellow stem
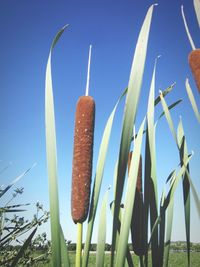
x=79 y=244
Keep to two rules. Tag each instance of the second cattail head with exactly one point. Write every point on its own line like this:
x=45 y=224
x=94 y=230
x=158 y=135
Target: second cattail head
x=137 y=215
x=139 y=178
x=194 y=62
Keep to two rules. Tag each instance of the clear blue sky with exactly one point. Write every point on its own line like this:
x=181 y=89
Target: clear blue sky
x=27 y=29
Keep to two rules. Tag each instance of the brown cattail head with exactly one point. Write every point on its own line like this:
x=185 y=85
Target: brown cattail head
x=194 y=61
x=137 y=215
x=82 y=158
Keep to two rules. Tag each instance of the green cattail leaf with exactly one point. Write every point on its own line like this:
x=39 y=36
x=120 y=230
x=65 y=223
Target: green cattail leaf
x=115 y=179
x=162 y=228
x=150 y=111
x=52 y=160
x=23 y=248
x=169 y=204
x=102 y=233
x=187 y=29
x=157 y=101
x=98 y=180
x=170 y=210
x=186 y=184
x=194 y=192
x=197 y=10
x=151 y=158
x=168 y=117
x=192 y=100
x=175 y=181
x=154 y=228
x=64 y=250
x=171 y=176
x=129 y=200
x=170 y=107
x=129 y=261
x=162 y=114
x=130 y=110
x=165 y=92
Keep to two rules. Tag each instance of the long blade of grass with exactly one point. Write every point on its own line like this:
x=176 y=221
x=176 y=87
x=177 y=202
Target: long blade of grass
x=64 y=250
x=129 y=260
x=170 y=107
x=169 y=206
x=192 y=100
x=197 y=10
x=3 y=191
x=175 y=181
x=98 y=180
x=168 y=117
x=23 y=248
x=157 y=101
x=162 y=230
x=169 y=217
x=52 y=159
x=102 y=233
x=187 y=29
x=150 y=190
x=129 y=200
x=181 y=144
x=170 y=210
x=154 y=228
x=165 y=92
x=132 y=99
x=194 y=192
x=186 y=184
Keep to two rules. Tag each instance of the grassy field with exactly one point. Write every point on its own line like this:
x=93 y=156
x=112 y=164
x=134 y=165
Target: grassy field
x=177 y=259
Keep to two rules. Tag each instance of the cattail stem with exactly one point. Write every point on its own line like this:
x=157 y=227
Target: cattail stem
x=79 y=244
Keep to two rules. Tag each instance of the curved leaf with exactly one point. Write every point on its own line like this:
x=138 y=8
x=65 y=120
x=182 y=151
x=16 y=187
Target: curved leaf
x=52 y=159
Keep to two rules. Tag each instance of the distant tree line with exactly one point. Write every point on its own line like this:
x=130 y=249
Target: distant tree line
x=175 y=246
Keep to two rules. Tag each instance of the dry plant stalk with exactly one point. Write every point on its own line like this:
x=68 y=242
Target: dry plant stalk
x=137 y=216
x=82 y=158
x=194 y=62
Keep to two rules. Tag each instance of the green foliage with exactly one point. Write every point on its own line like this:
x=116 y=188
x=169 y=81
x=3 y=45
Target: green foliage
x=17 y=232
x=58 y=245
x=157 y=214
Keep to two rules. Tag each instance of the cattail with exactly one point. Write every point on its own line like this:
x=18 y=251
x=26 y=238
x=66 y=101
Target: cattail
x=194 y=62
x=82 y=155
x=82 y=160
x=137 y=215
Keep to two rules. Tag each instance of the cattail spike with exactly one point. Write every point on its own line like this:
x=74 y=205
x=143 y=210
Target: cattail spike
x=88 y=72
x=82 y=158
